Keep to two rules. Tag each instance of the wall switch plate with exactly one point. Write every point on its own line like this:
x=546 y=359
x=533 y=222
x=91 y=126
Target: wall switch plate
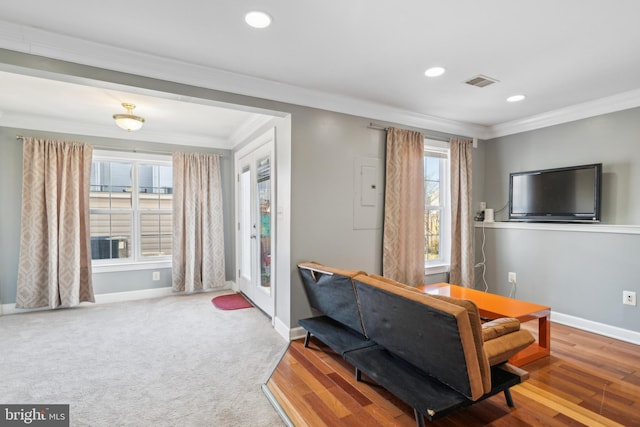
x=156 y=275
x=629 y=298
x=512 y=277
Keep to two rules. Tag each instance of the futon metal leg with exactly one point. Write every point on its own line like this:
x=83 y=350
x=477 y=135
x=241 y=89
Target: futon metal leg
x=307 y=338
x=358 y=375
x=507 y=395
x=419 y=418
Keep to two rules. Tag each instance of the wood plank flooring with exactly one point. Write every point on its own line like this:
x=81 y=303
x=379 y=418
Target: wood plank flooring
x=588 y=380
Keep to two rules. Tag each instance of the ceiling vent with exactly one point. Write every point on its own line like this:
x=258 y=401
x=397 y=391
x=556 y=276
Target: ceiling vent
x=481 y=81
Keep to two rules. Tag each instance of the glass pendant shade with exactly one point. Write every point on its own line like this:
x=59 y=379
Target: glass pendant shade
x=128 y=121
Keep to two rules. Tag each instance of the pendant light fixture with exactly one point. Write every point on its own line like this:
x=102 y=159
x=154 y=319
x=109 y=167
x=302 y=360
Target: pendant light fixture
x=128 y=121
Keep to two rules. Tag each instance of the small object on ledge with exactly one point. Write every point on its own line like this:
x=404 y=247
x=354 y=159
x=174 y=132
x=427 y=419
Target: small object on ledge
x=488 y=215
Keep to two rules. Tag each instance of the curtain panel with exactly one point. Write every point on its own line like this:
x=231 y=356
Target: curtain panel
x=198 y=229
x=403 y=235
x=54 y=267
x=462 y=259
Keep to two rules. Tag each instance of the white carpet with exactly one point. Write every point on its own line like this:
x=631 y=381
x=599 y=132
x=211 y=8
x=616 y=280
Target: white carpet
x=174 y=361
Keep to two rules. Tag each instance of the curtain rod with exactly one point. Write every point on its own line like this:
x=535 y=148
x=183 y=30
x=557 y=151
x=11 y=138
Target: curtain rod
x=379 y=127
x=437 y=138
x=132 y=150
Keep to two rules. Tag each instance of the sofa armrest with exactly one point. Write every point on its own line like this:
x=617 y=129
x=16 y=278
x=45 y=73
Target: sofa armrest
x=500 y=349
x=499 y=327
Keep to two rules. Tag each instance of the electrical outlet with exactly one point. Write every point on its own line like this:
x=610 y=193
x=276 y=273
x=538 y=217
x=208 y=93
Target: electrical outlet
x=512 y=277
x=156 y=275
x=629 y=298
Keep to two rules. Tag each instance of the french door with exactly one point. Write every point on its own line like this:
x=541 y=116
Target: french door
x=255 y=208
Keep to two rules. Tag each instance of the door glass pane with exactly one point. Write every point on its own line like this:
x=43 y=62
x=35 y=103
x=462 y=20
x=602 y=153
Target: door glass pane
x=264 y=203
x=245 y=222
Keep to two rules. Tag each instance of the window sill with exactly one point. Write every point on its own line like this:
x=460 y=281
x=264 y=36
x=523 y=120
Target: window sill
x=436 y=269
x=130 y=266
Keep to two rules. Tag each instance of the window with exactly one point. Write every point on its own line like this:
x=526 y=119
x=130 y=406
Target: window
x=436 y=209
x=130 y=208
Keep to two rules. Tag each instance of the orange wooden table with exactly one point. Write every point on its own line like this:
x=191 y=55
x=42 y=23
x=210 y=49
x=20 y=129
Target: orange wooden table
x=494 y=306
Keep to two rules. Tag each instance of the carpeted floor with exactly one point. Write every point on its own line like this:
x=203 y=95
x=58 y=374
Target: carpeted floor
x=174 y=361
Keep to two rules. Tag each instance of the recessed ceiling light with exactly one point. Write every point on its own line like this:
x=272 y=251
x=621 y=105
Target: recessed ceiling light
x=434 y=72
x=515 y=98
x=257 y=19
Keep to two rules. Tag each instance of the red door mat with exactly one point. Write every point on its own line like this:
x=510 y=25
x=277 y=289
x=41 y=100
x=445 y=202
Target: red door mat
x=231 y=302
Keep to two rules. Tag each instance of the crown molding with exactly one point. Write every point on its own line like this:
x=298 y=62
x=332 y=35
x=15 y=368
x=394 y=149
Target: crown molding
x=609 y=104
x=252 y=124
x=48 y=124
x=35 y=41
x=39 y=42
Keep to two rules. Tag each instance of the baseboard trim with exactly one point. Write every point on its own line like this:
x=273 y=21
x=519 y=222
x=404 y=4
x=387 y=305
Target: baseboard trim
x=6 y=309
x=596 y=327
x=285 y=332
x=281 y=328
x=614 y=332
x=131 y=295
x=100 y=299
x=297 y=333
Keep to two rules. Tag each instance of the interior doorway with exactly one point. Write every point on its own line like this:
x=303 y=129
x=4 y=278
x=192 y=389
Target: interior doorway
x=256 y=206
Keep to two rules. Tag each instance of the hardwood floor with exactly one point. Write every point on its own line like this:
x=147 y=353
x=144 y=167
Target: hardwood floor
x=588 y=380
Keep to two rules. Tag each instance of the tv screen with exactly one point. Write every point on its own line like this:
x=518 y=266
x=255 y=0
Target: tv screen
x=561 y=194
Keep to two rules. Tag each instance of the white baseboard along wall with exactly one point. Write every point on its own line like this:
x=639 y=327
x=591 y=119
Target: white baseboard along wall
x=298 y=332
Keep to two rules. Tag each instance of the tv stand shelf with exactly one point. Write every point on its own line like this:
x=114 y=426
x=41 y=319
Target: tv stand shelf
x=555 y=226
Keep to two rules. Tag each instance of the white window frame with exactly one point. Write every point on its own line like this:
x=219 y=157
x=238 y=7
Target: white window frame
x=135 y=261
x=441 y=265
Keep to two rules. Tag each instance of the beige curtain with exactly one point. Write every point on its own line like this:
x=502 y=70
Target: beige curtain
x=54 y=269
x=403 y=235
x=462 y=259
x=198 y=240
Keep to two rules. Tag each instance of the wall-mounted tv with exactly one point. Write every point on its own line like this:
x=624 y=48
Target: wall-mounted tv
x=570 y=194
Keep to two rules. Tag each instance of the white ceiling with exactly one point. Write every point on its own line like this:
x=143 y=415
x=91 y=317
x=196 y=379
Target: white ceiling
x=59 y=106
x=361 y=57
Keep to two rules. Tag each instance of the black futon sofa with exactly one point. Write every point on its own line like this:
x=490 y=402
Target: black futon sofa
x=430 y=351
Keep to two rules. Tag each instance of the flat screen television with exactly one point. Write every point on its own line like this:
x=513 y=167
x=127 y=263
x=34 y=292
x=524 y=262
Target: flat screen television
x=570 y=194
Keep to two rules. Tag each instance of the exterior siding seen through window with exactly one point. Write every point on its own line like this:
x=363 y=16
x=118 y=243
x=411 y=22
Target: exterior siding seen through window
x=130 y=210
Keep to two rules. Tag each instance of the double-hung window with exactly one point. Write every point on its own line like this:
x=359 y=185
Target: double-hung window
x=131 y=209
x=437 y=209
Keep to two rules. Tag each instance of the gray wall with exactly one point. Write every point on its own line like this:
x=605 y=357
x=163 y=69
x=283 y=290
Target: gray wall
x=122 y=281
x=324 y=150
x=323 y=147
x=10 y=200
x=577 y=273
